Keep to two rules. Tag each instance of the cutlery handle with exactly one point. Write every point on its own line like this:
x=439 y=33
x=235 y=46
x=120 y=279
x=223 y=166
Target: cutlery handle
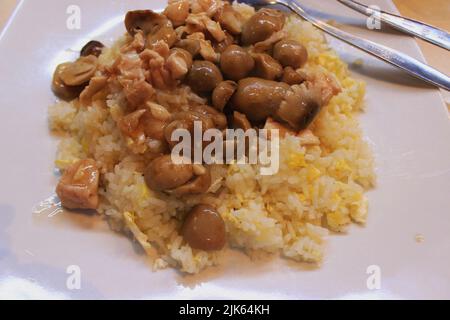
x=413 y=27
x=395 y=58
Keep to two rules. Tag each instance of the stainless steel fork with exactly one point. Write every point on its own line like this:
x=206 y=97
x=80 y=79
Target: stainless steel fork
x=413 y=27
x=391 y=56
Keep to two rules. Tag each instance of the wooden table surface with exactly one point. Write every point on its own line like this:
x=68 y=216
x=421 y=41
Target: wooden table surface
x=435 y=12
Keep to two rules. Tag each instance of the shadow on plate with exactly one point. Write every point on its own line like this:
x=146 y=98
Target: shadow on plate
x=32 y=279
x=389 y=74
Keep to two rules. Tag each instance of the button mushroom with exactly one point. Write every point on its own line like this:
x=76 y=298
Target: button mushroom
x=204 y=76
x=78 y=187
x=147 y=21
x=204 y=229
x=267 y=67
x=240 y=121
x=298 y=109
x=199 y=184
x=290 y=53
x=258 y=98
x=220 y=47
x=165 y=33
x=79 y=72
x=154 y=127
x=62 y=90
x=292 y=77
x=218 y=118
x=236 y=63
x=222 y=94
x=162 y=174
x=186 y=120
x=179 y=124
x=93 y=47
x=262 y=25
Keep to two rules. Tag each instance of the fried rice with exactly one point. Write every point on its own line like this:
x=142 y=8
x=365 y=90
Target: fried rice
x=319 y=188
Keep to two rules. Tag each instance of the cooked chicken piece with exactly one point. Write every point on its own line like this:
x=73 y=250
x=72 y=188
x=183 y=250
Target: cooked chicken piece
x=215 y=30
x=162 y=79
x=78 y=187
x=322 y=85
x=152 y=59
x=210 y=7
x=159 y=112
x=177 y=11
x=96 y=85
x=135 y=69
x=138 y=43
x=307 y=137
x=158 y=71
x=161 y=49
x=206 y=49
x=138 y=92
x=179 y=63
x=130 y=124
x=201 y=22
x=130 y=67
x=229 y=19
x=267 y=44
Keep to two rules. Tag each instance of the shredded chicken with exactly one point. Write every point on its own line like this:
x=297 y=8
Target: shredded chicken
x=200 y=22
x=208 y=6
x=206 y=49
x=78 y=187
x=177 y=66
x=149 y=65
x=96 y=85
x=322 y=85
x=144 y=128
x=138 y=92
x=269 y=42
x=159 y=112
x=152 y=59
x=130 y=124
x=130 y=67
x=155 y=64
x=177 y=11
x=138 y=43
x=229 y=19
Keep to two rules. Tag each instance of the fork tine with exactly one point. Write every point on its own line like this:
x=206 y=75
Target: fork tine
x=398 y=59
x=412 y=27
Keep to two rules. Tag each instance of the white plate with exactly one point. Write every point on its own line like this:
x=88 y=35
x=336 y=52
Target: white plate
x=406 y=123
